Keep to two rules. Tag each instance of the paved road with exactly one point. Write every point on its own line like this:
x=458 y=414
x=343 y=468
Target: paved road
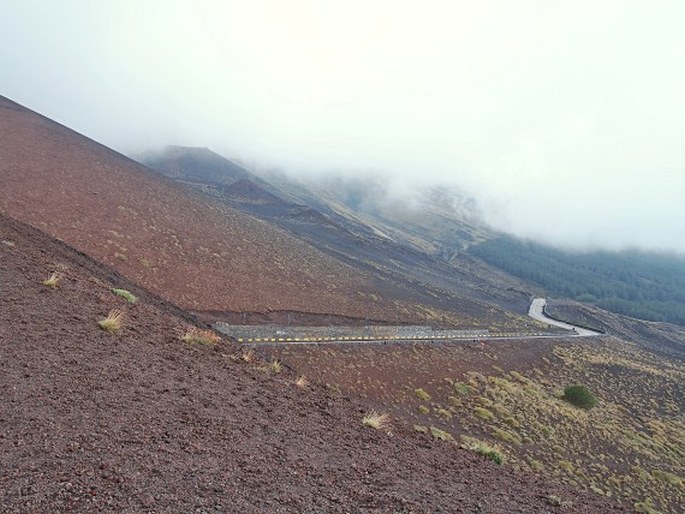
x=537 y=311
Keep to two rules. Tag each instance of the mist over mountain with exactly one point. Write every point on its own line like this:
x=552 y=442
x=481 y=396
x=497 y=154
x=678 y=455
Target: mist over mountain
x=564 y=121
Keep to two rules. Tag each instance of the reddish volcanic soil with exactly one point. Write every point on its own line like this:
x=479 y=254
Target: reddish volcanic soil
x=141 y=421
x=198 y=253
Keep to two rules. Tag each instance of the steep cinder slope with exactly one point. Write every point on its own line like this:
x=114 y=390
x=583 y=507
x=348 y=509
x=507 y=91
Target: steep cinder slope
x=139 y=421
x=199 y=253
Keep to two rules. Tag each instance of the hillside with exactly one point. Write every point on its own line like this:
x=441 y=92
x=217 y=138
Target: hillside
x=193 y=250
x=141 y=421
x=413 y=244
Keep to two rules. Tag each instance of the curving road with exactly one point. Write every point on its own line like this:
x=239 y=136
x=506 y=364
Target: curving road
x=537 y=311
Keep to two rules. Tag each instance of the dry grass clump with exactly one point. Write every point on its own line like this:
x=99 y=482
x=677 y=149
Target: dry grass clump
x=422 y=394
x=440 y=434
x=204 y=337
x=376 y=420
x=248 y=355
x=483 y=413
x=276 y=366
x=52 y=281
x=112 y=323
x=302 y=382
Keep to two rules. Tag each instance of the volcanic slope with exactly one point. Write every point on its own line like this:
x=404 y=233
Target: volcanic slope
x=193 y=250
x=139 y=420
x=196 y=252
x=340 y=228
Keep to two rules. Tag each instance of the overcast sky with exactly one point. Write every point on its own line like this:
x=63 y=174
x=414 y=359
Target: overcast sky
x=566 y=119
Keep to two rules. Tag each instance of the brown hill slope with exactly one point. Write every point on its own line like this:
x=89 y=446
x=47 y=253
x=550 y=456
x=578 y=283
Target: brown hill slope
x=198 y=253
x=141 y=421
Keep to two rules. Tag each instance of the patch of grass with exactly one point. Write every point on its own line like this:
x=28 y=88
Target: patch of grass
x=579 y=396
x=6 y=242
x=423 y=409
x=302 y=382
x=444 y=414
x=556 y=501
x=441 y=434
x=204 y=337
x=422 y=395
x=52 y=281
x=483 y=413
x=667 y=477
x=276 y=366
x=512 y=422
x=482 y=448
x=507 y=436
x=376 y=420
x=421 y=428
x=127 y=295
x=536 y=465
x=646 y=507
x=112 y=323
x=248 y=355
x=462 y=389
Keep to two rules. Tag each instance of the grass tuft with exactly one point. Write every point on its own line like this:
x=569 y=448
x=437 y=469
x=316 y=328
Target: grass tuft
x=302 y=382
x=112 y=323
x=248 y=355
x=52 y=281
x=127 y=295
x=276 y=366
x=422 y=395
x=204 y=337
x=376 y=420
x=482 y=448
x=441 y=434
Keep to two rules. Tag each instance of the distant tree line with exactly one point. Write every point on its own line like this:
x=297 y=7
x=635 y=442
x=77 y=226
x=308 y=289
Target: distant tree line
x=643 y=285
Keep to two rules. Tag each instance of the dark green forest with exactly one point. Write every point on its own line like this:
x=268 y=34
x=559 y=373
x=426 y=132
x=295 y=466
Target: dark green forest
x=642 y=285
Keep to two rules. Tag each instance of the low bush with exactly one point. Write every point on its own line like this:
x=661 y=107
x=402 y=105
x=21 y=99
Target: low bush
x=579 y=396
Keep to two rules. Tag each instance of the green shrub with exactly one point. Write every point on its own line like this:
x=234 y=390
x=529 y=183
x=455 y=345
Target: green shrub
x=579 y=396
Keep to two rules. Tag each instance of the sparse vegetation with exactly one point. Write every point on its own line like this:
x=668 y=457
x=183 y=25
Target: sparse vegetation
x=579 y=396
x=52 y=281
x=376 y=420
x=127 y=295
x=204 y=337
x=462 y=389
x=422 y=395
x=275 y=366
x=302 y=382
x=483 y=413
x=441 y=434
x=481 y=447
x=112 y=323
